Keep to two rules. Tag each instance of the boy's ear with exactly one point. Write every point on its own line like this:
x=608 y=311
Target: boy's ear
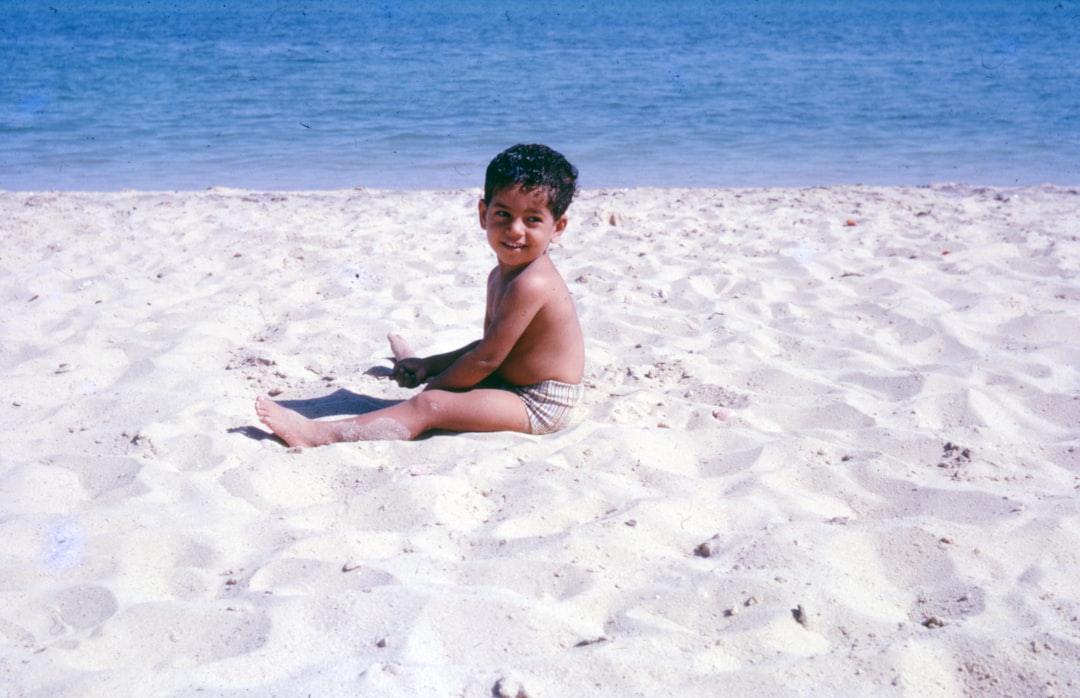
x=560 y=226
x=483 y=214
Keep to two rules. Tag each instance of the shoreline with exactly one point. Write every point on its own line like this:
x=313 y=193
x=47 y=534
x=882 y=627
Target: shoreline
x=832 y=438
x=407 y=190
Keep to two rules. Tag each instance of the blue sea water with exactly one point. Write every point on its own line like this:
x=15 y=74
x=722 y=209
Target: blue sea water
x=286 y=94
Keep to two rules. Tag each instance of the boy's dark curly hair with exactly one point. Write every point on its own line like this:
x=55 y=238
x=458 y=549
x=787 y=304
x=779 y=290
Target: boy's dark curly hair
x=533 y=167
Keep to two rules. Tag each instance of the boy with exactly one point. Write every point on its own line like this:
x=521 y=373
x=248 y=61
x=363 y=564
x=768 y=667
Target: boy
x=525 y=373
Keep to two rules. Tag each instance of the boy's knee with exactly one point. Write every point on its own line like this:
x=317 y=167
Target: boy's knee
x=427 y=403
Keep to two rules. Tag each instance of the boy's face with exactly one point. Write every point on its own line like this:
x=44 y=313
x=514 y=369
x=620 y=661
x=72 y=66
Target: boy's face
x=519 y=225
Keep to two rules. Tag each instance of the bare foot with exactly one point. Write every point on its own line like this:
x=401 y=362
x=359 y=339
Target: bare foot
x=292 y=427
x=400 y=347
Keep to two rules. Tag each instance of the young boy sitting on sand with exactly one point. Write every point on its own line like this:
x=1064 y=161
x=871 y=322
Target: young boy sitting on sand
x=525 y=373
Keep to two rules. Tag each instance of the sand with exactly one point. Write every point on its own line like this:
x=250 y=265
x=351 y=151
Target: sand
x=831 y=446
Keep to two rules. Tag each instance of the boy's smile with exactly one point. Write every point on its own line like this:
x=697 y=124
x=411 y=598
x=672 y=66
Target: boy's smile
x=520 y=225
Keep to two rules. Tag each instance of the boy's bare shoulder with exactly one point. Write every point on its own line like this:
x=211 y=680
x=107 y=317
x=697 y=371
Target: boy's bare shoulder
x=539 y=278
x=543 y=274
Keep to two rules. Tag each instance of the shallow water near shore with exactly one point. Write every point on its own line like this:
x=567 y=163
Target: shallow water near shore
x=160 y=95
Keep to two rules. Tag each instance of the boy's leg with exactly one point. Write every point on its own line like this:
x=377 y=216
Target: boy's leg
x=474 y=410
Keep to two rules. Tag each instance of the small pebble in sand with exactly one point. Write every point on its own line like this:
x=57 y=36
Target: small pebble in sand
x=799 y=613
x=709 y=547
x=591 y=641
x=508 y=688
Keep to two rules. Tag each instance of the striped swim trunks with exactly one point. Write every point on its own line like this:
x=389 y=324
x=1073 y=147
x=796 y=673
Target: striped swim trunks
x=550 y=404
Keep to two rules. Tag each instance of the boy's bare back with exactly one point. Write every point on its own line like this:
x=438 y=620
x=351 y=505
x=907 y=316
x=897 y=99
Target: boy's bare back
x=551 y=347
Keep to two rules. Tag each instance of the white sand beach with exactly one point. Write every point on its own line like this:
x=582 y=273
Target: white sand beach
x=831 y=446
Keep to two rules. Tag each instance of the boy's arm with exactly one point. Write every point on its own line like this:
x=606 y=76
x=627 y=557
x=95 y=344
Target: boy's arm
x=440 y=362
x=413 y=371
x=506 y=324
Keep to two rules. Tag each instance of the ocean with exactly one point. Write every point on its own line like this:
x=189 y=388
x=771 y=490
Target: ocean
x=150 y=94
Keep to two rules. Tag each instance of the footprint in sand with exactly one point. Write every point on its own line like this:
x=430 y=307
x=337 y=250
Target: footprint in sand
x=85 y=606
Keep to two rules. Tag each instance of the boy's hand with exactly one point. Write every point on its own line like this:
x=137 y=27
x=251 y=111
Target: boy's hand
x=411 y=372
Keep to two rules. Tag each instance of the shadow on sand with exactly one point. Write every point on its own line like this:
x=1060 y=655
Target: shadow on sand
x=340 y=403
